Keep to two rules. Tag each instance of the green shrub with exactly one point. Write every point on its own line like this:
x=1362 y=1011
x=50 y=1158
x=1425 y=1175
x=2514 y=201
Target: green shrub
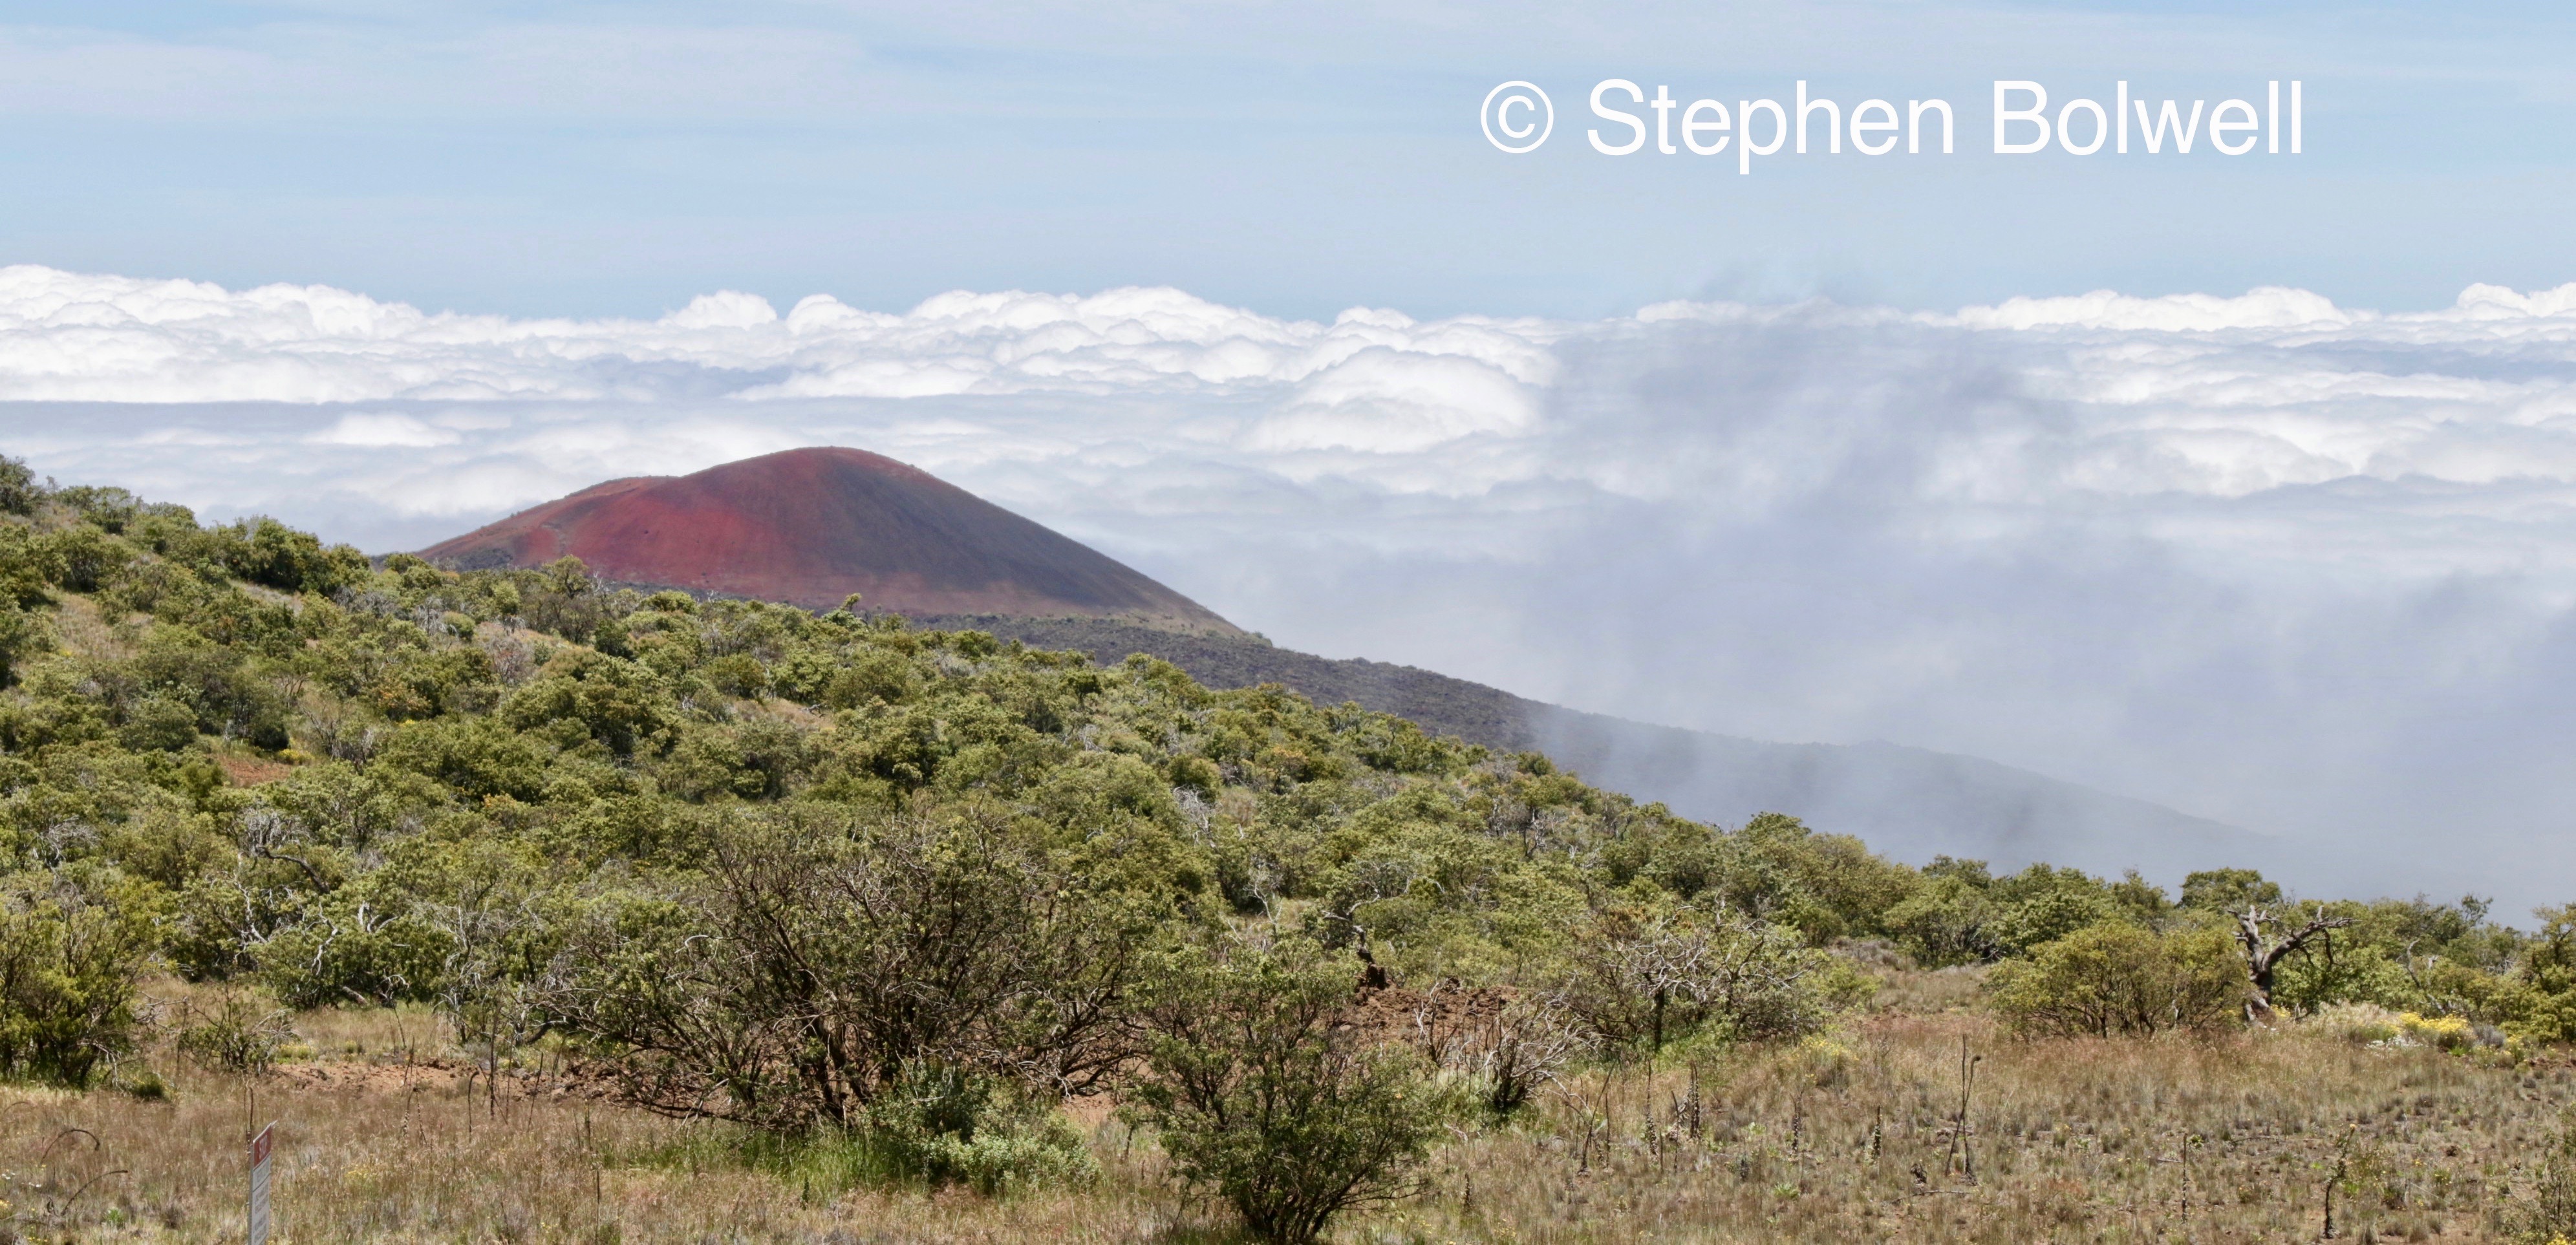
x=2330 y=971
x=943 y=1125
x=871 y=675
x=739 y=674
x=240 y=1033
x=21 y=635
x=827 y=951
x=2118 y=978
x=343 y=952
x=2228 y=890
x=144 y=1084
x=2048 y=913
x=73 y=945
x=1961 y=913
x=158 y=724
x=82 y=558
x=2541 y=997
x=266 y=551
x=935 y=1126
x=24 y=571
x=1946 y=921
x=1262 y=1096
x=19 y=491
x=1643 y=979
x=109 y=508
x=2361 y=1024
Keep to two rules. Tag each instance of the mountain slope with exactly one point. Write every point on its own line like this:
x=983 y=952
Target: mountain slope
x=812 y=526
x=1908 y=803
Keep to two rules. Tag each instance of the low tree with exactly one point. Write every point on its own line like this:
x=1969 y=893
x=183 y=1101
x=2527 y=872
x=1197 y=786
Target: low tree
x=19 y=491
x=21 y=633
x=2118 y=978
x=1263 y=1096
x=73 y=946
x=1644 y=978
x=2228 y=890
x=1948 y=919
x=1504 y=1053
x=497 y=977
x=2541 y=997
x=2348 y=969
x=2266 y=936
x=822 y=954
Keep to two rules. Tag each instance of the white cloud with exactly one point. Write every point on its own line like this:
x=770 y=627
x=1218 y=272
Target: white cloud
x=2268 y=308
x=1369 y=380
x=1390 y=401
x=2304 y=567
x=724 y=309
x=383 y=430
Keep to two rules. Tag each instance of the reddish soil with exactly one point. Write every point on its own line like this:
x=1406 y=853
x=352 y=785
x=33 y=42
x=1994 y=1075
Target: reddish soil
x=251 y=771
x=1433 y=1018
x=812 y=526
x=444 y=1076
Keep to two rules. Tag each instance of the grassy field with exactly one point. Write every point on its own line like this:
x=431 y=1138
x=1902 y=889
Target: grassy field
x=389 y=1135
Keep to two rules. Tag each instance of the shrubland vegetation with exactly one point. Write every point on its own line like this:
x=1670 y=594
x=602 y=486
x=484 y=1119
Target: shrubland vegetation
x=842 y=908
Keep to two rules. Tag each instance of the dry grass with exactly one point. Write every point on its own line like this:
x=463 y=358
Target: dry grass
x=370 y=1161
x=1854 y=1139
x=386 y=1136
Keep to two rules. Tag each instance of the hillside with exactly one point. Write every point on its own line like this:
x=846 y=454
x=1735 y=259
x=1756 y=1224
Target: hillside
x=810 y=527
x=1436 y=702
x=578 y=887
x=1912 y=803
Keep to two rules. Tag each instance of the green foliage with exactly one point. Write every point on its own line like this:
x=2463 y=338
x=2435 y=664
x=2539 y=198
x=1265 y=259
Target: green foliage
x=81 y=558
x=777 y=865
x=24 y=568
x=19 y=492
x=21 y=633
x=109 y=510
x=943 y=1125
x=1960 y=913
x=2228 y=890
x=2403 y=955
x=1946 y=920
x=1777 y=869
x=2042 y=904
x=339 y=949
x=821 y=956
x=2344 y=969
x=1644 y=978
x=265 y=551
x=1261 y=1097
x=2541 y=998
x=2120 y=978
x=73 y=943
x=239 y=1033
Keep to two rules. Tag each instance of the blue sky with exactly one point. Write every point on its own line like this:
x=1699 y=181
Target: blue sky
x=588 y=160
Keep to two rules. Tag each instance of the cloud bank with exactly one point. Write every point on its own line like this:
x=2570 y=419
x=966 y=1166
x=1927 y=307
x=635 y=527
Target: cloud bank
x=2298 y=566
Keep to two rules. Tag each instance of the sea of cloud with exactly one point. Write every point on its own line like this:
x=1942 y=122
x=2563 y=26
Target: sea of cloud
x=2302 y=567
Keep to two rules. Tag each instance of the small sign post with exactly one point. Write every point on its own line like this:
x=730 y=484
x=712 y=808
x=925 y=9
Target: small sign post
x=259 y=1146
